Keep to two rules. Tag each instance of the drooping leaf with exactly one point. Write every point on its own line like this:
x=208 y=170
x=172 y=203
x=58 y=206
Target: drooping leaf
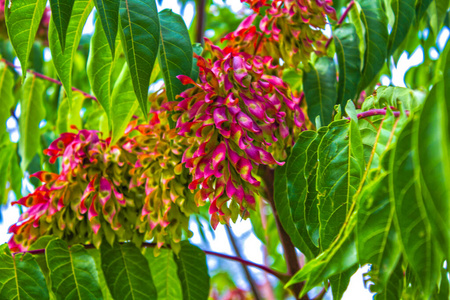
x=95 y=253
x=440 y=9
x=175 y=52
x=297 y=187
x=320 y=89
x=404 y=11
x=63 y=61
x=61 y=15
x=100 y=68
x=67 y=118
x=311 y=210
x=6 y=151
x=127 y=272
x=108 y=11
x=355 y=19
x=340 y=168
x=164 y=273
x=6 y=94
x=338 y=258
x=375 y=24
x=123 y=104
x=377 y=240
x=339 y=283
x=347 y=49
x=72 y=271
x=192 y=272
x=394 y=287
x=140 y=38
x=32 y=112
x=434 y=159
x=22 y=19
x=20 y=277
x=421 y=8
x=413 y=222
x=280 y=196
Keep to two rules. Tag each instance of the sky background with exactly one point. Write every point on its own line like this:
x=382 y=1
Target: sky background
x=249 y=244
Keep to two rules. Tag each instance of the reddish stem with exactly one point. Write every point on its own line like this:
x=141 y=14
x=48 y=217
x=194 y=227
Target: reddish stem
x=282 y=277
x=341 y=19
x=42 y=76
x=376 y=112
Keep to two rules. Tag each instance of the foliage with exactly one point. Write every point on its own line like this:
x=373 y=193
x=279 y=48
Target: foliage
x=268 y=119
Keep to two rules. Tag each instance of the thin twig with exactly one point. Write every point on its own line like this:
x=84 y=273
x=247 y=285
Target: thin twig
x=377 y=112
x=42 y=76
x=250 y=279
x=341 y=19
x=282 y=277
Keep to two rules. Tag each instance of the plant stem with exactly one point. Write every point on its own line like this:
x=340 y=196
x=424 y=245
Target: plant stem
x=282 y=277
x=375 y=112
x=289 y=250
x=246 y=271
x=341 y=19
x=201 y=20
x=42 y=76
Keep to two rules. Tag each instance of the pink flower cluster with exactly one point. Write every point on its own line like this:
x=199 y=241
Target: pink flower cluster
x=235 y=119
x=130 y=191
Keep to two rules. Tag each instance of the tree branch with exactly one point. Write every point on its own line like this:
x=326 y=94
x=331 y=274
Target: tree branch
x=244 y=266
x=289 y=250
x=201 y=20
x=42 y=76
x=282 y=277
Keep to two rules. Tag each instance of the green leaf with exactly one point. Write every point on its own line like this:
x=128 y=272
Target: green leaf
x=63 y=61
x=349 y=60
x=127 y=272
x=6 y=94
x=339 y=283
x=108 y=11
x=67 y=118
x=394 y=287
x=412 y=221
x=311 y=209
x=72 y=271
x=280 y=196
x=61 y=15
x=123 y=104
x=397 y=97
x=340 y=168
x=404 y=15
x=32 y=112
x=320 y=89
x=20 y=277
x=175 y=52
x=434 y=159
x=421 y=8
x=375 y=23
x=6 y=151
x=22 y=19
x=198 y=49
x=335 y=260
x=355 y=19
x=440 y=8
x=376 y=238
x=297 y=187
x=101 y=278
x=192 y=272
x=100 y=69
x=140 y=38
x=164 y=273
